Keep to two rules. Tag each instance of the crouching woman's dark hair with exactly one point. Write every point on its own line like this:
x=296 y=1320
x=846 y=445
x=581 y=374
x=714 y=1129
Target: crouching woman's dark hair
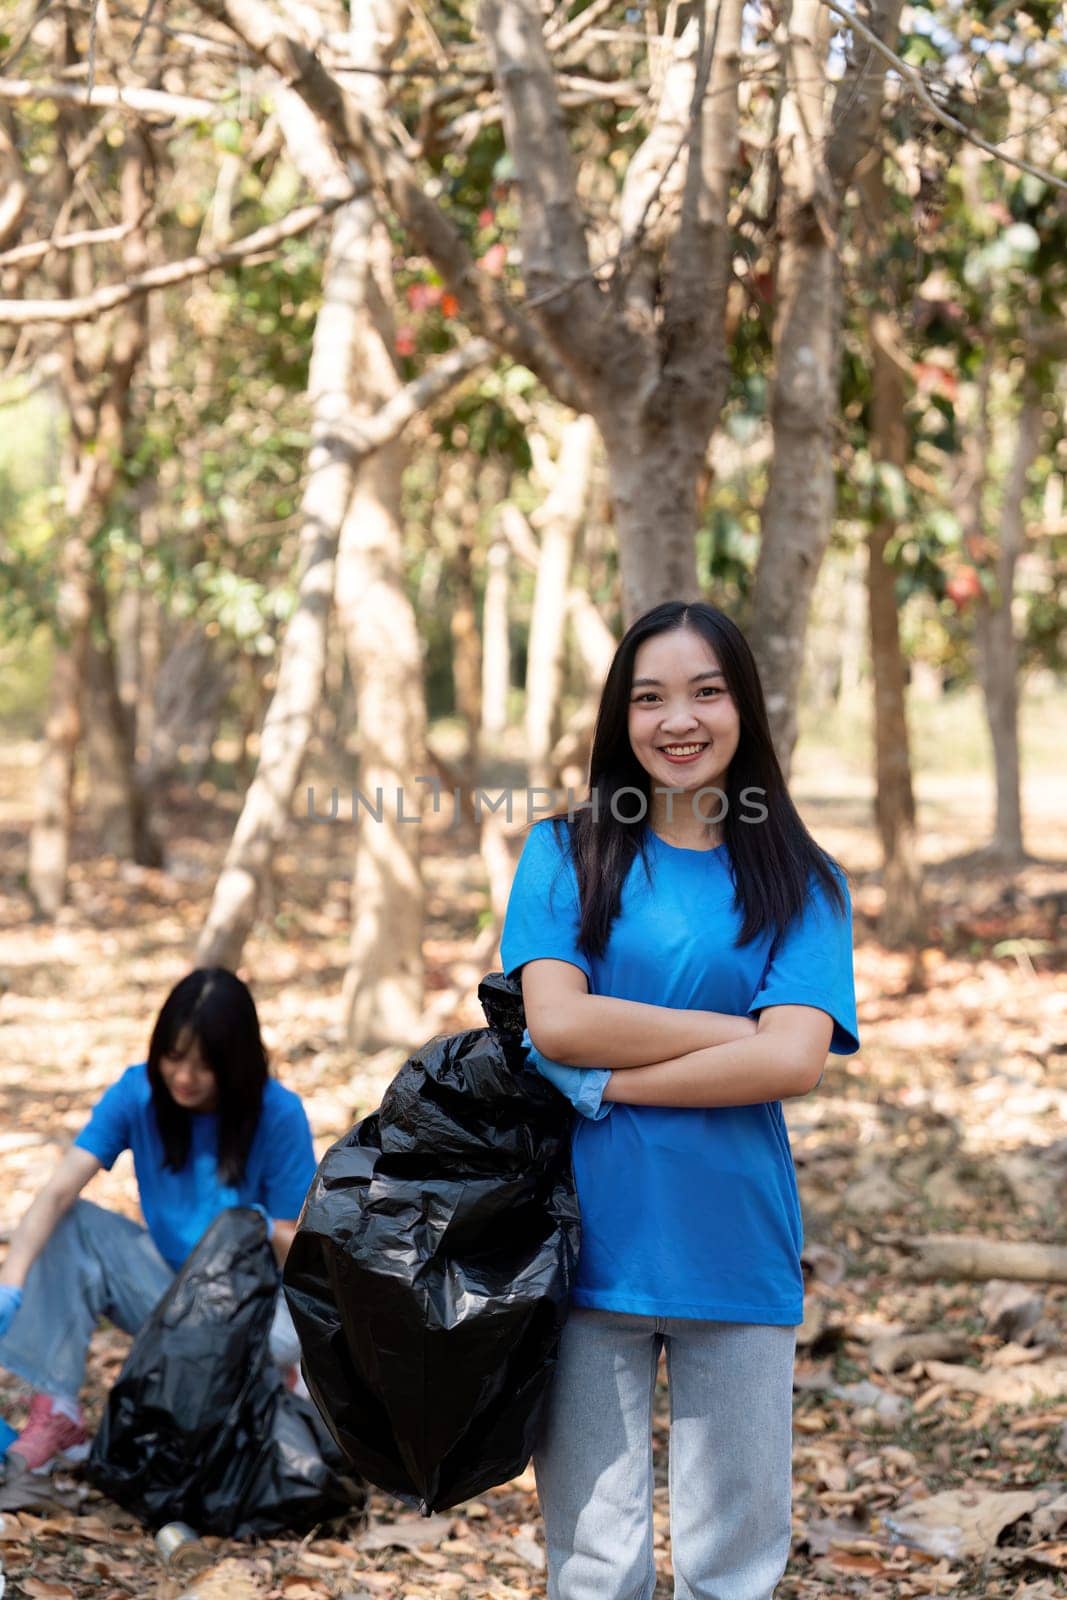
x=214 y=1009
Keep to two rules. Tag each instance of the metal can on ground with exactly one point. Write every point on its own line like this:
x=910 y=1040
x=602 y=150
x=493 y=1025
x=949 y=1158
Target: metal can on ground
x=178 y=1544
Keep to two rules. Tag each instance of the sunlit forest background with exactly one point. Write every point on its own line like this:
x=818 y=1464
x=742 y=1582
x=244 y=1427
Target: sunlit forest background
x=364 y=370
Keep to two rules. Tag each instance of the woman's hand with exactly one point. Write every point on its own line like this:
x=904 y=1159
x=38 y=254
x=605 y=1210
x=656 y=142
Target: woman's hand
x=282 y=1237
x=784 y=1060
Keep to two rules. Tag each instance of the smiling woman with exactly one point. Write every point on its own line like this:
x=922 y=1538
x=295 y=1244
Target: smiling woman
x=209 y=1128
x=684 y=727
x=683 y=972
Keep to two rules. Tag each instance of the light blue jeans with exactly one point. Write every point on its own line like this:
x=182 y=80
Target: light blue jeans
x=730 y=1468
x=96 y=1264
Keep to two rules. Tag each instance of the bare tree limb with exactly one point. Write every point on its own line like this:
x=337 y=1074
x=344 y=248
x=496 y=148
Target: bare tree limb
x=561 y=35
x=86 y=307
x=698 y=273
x=917 y=85
x=147 y=102
x=574 y=92
x=359 y=436
x=656 y=174
x=484 y=306
x=37 y=249
x=16 y=191
x=860 y=94
x=555 y=250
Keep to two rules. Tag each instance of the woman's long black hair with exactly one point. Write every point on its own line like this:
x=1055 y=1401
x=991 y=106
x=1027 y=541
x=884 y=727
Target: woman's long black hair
x=214 y=1008
x=771 y=860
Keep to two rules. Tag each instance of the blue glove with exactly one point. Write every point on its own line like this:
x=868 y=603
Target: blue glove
x=583 y=1086
x=255 y=1206
x=10 y=1300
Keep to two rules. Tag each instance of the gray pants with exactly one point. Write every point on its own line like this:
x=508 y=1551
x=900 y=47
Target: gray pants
x=96 y=1264
x=731 y=1391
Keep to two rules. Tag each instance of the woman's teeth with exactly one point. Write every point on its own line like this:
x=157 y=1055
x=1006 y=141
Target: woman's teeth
x=682 y=749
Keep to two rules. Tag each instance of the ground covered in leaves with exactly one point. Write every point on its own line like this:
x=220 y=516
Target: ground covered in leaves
x=930 y=1416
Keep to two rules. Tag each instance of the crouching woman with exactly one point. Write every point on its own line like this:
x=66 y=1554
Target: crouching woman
x=209 y=1128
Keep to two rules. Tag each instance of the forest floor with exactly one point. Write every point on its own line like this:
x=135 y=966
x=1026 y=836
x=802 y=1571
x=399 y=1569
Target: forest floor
x=919 y=1470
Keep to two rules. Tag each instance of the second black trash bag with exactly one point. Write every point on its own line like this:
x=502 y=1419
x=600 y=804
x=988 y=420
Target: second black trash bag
x=431 y=1271
x=199 y=1426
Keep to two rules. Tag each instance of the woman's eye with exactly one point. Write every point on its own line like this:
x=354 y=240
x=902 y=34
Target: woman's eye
x=709 y=689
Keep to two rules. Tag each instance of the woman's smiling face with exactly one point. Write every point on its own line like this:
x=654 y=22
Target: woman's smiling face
x=683 y=723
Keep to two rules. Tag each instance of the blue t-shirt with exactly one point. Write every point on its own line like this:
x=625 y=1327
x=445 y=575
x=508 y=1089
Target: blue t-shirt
x=178 y=1206
x=686 y=1212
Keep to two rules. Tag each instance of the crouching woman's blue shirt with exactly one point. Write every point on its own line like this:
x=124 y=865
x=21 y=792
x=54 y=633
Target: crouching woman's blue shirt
x=686 y=1212
x=179 y=1206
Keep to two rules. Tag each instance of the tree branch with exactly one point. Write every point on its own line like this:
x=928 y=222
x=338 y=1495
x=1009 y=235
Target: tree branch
x=37 y=249
x=860 y=93
x=15 y=195
x=574 y=92
x=146 y=102
x=915 y=83
x=87 y=307
x=698 y=267
x=562 y=34
x=555 y=250
x=361 y=435
x=485 y=308
x=656 y=173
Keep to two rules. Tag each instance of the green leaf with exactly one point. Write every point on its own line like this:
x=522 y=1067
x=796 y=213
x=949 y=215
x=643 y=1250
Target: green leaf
x=227 y=134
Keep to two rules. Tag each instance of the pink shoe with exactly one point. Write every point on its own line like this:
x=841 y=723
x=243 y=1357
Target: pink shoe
x=47 y=1436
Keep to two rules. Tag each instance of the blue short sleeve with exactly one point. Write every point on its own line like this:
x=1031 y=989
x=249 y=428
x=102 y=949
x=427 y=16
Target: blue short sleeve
x=109 y=1130
x=543 y=913
x=289 y=1163
x=541 y=924
x=812 y=966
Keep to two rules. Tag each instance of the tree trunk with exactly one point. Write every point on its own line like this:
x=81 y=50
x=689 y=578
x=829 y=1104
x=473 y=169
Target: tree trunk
x=902 y=912
x=798 y=509
x=383 y=990
x=466 y=645
x=902 y=916
x=384 y=983
x=818 y=154
x=652 y=475
x=53 y=815
x=290 y=717
x=997 y=648
x=496 y=650
x=559 y=520
x=116 y=798
x=98 y=434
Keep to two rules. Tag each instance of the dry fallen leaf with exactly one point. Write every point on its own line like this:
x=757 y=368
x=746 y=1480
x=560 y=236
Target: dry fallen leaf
x=229 y=1580
x=961 y=1523
x=1044 y=1380
x=407 y=1533
x=295 y=1587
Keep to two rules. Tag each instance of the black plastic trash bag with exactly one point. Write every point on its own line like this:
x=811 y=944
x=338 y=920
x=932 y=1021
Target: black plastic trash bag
x=431 y=1270
x=199 y=1427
